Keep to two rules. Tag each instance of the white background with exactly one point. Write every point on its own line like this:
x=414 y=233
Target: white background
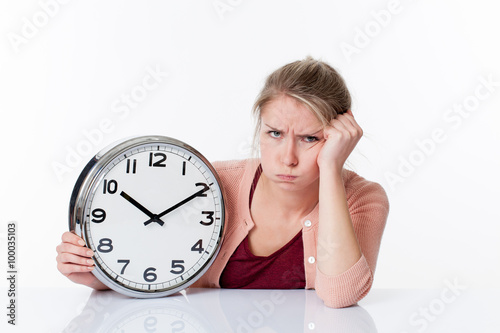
x=62 y=78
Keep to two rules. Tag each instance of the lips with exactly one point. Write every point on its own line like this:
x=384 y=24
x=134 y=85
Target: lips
x=287 y=177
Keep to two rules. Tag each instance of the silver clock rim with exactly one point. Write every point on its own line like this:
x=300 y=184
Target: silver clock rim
x=91 y=174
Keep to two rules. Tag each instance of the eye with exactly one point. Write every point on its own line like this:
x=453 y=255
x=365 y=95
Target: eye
x=311 y=139
x=274 y=134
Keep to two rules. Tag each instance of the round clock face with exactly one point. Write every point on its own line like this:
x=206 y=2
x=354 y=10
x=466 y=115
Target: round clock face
x=153 y=213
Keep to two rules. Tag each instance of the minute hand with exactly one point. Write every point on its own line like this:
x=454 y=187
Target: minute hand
x=191 y=197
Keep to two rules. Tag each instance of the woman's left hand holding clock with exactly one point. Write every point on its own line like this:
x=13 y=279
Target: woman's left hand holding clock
x=74 y=260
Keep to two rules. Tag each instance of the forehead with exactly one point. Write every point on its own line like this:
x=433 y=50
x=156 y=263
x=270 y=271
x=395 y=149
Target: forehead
x=286 y=112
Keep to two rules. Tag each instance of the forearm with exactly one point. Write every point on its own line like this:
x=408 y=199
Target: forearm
x=338 y=248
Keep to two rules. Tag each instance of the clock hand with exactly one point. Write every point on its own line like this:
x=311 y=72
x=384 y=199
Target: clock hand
x=200 y=193
x=153 y=217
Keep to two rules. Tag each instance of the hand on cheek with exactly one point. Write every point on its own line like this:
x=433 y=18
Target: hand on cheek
x=340 y=138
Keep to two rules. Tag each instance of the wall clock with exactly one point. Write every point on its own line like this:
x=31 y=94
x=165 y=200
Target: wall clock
x=152 y=210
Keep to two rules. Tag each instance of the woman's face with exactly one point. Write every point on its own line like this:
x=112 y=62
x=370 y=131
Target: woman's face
x=291 y=138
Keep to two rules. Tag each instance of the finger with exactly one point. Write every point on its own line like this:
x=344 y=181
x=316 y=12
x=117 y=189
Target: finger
x=70 y=237
x=346 y=118
x=353 y=121
x=347 y=114
x=68 y=269
x=342 y=133
x=334 y=126
x=342 y=125
x=347 y=123
x=68 y=258
x=74 y=249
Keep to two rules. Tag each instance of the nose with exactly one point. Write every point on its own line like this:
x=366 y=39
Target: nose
x=289 y=156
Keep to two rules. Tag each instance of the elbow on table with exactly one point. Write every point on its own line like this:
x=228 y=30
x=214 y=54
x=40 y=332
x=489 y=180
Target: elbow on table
x=344 y=290
x=338 y=302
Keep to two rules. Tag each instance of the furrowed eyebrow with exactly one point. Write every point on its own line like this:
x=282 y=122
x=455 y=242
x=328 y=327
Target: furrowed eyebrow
x=299 y=135
x=313 y=134
x=274 y=129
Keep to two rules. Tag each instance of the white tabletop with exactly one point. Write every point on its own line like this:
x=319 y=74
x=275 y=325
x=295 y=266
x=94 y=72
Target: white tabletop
x=227 y=310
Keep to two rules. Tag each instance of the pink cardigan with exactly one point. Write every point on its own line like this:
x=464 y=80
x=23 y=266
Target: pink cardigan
x=368 y=206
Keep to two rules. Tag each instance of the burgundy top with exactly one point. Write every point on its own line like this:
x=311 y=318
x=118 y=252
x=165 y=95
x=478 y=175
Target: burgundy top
x=284 y=269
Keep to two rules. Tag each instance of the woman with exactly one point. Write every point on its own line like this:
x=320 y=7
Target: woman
x=296 y=217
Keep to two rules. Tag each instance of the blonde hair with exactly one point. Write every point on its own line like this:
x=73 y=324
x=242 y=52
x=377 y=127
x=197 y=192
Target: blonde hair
x=311 y=82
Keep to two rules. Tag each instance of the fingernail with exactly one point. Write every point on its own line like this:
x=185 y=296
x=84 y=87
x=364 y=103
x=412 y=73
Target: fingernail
x=90 y=268
x=90 y=261
x=90 y=253
x=81 y=242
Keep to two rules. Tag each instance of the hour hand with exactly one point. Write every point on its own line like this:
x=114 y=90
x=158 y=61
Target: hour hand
x=153 y=217
x=200 y=193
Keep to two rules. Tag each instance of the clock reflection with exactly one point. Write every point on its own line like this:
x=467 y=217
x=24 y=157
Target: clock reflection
x=108 y=311
x=219 y=310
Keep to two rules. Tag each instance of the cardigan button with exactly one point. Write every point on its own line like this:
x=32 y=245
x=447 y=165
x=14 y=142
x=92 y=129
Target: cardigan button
x=311 y=260
x=307 y=223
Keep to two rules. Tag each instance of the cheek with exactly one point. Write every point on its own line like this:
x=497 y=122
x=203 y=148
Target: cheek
x=267 y=155
x=311 y=153
x=309 y=159
x=267 y=147
x=311 y=164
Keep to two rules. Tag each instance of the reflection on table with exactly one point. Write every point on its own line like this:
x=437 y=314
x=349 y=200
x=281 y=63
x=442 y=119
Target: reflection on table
x=219 y=310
